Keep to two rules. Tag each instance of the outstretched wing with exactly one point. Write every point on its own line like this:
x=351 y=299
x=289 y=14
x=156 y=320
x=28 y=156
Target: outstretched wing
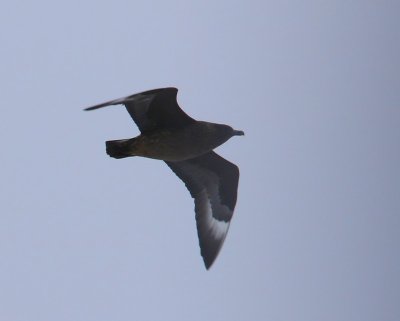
x=212 y=181
x=153 y=109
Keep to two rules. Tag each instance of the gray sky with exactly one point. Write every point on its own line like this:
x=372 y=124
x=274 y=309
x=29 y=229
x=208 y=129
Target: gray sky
x=316 y=87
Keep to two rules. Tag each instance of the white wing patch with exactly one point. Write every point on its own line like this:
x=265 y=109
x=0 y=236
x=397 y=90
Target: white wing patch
x=212 y=182
x=204 y=207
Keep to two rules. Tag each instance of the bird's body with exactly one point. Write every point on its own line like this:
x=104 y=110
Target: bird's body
x=185 y=145
x=172 y=144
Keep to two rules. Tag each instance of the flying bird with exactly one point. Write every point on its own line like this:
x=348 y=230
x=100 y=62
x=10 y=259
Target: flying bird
x=186 y=146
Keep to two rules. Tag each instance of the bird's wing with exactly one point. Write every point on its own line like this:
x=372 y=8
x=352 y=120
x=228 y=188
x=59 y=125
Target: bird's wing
x=153 y=109
x=212 y=181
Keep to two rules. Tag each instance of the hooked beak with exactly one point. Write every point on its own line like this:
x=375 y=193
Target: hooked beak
x=238 y=133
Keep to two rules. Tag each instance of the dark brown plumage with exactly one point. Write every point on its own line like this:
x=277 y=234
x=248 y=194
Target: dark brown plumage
x=169 y=134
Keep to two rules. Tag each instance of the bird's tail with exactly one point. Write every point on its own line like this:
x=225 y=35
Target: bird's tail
x=119 y=148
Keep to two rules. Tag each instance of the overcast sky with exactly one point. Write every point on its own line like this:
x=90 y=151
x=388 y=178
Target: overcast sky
x=315 y=85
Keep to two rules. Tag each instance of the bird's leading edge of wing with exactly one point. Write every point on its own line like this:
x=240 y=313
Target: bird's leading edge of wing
x=153 y=109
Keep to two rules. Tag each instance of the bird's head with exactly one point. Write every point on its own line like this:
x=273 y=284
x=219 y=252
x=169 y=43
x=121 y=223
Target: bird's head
x=227 y=131
x=216 y=134
x=237 y=132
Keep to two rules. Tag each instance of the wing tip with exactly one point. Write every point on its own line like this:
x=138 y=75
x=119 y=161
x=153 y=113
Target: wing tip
x=90 y=108
x=210 y=251
x=208 y=264
x=129 y=98
x=210 y=258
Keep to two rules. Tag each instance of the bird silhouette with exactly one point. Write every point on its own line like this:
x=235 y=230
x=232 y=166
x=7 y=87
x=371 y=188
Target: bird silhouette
x=186 y=146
